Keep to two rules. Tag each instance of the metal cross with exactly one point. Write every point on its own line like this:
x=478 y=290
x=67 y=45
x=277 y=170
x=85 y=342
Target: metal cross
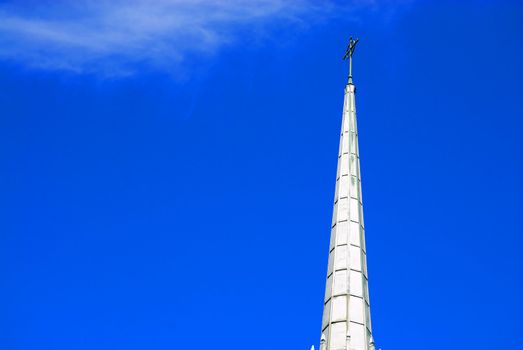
x=348 y=55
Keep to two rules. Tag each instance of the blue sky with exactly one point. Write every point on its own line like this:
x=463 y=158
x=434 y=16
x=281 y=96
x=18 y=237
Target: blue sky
x=167 y=171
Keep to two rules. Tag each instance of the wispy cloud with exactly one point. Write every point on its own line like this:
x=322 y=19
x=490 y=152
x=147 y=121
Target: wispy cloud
x=112 y=37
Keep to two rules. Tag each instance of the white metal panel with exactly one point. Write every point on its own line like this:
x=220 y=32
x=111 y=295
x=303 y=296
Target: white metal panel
x=341 y=282
x=353 y=148
x=336 y=190
x=356 y=283
x=340 y=146
x=338 y=336
x=342 y=233
x=362 y=238
x=354 y=210
x=326 y=314
x=344 y=165
x=357 y=336
x=360 y=196
x=367 y=316
x=343 y=209
x=353 y=169
x=345 y=144
x=341 y=257
x=362 y=222
x=354 y=187
x=328 y=288
x=355 y=258
x=346 y=123
x=343 y=187
x=339 y=308
x=333 y=237
x=338 y=169
x=364 y=263
x=366 y=289
x=331 y=262
x=334 y=214
x=356 y=311
x=354 y=233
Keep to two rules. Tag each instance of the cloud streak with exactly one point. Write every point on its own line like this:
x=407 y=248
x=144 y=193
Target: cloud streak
x=114 y=37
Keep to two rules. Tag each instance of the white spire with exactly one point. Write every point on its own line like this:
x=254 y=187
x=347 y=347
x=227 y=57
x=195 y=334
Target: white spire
x=346 y=321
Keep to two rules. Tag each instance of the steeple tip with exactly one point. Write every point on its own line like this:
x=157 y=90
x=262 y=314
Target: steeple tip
x=348 y=55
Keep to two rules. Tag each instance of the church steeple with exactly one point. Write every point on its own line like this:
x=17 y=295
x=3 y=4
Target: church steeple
x=346 y=323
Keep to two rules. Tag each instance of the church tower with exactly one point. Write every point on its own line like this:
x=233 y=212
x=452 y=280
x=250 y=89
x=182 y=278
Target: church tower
x=346 y=323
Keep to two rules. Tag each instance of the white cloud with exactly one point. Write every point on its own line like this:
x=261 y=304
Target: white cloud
x=112 y=37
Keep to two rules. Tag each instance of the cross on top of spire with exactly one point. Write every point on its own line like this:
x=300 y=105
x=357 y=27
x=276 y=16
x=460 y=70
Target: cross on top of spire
x=348 y=55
